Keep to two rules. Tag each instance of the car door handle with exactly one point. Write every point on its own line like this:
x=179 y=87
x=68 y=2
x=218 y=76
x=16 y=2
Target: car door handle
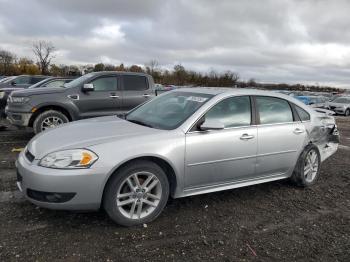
x=298 y=131
x=246 y=137
x=146 y=95
x=114 y=96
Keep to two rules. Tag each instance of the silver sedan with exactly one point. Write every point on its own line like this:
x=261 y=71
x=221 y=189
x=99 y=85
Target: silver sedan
x=340 y=105
x=182 y=143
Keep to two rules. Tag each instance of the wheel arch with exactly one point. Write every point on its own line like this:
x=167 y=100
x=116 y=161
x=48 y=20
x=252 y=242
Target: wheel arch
x=168 y=169
x=44 y=108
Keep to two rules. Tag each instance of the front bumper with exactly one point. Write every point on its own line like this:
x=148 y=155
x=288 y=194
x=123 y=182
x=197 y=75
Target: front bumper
x=18 y=119
x=78 y=189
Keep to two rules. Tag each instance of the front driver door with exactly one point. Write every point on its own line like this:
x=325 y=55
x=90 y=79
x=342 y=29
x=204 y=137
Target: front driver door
x=222 y=156
x=104 y=100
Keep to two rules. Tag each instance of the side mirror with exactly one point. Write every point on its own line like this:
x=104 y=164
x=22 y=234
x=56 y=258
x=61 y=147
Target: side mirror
x=212 y=124
x=13 y=83
x=88 y=87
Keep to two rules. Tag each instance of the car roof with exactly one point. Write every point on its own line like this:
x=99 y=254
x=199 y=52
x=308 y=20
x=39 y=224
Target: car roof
x=233 y=91
x=118 y=73
x=222 y=91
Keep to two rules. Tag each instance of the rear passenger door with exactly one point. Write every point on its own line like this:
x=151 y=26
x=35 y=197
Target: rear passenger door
x=135 y=90
x=281 y=136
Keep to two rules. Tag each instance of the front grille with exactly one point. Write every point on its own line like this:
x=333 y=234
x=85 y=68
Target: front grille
x=29 y=156
x=332 y=107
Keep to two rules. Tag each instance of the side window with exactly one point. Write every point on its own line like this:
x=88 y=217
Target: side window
x=273 y=110
x=135 y=83
x=232 y=112
x=35 y=79
x=55 y=83
x=22 y=80
x=304 y=116
x=105 y=83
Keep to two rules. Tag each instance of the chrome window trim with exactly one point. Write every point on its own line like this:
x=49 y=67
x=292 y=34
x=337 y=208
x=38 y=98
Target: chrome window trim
x=217 y=102
x=226 y=128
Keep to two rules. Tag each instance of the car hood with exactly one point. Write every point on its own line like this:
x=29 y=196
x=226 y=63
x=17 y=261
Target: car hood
x=85 y=133
x=38 y=91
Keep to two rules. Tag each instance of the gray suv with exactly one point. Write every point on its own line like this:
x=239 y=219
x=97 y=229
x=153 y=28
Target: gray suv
x=16 y=83
x=92 y=95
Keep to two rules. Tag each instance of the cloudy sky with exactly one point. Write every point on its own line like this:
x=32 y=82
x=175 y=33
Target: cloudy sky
x=301 y=41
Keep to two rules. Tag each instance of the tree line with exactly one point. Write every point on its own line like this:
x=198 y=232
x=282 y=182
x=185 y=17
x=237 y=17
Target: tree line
x=43 y=51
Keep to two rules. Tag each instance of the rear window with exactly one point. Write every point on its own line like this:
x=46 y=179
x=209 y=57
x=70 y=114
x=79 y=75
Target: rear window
x=135 y=83
x=303 y=115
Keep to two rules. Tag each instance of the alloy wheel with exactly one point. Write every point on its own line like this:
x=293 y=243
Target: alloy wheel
x=51 y=122
x=311 y=166
x=139 y=195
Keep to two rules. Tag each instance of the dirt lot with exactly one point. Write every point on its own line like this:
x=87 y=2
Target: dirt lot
x=268 y=222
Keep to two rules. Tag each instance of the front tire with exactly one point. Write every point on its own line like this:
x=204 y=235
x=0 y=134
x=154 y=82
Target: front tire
x=307 y=169
x=49 y=119
x=136 y=194
x=347 y=112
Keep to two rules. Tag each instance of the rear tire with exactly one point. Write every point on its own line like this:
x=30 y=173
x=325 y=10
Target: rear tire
x=307 y=169
x=347 y=112
x=49 y=119
x=136 y=194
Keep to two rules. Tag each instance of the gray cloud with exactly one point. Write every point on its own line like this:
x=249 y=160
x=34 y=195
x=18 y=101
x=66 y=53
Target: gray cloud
x=274 y=40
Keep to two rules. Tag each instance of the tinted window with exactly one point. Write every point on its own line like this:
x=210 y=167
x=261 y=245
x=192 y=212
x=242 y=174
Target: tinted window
x=105 y=84
x=232 y=112
x=36 y=79
x=22 y=80
x=273 y=110
x=133 y=82
x=304 y=116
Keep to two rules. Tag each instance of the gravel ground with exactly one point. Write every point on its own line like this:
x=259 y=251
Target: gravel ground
x=267 y=222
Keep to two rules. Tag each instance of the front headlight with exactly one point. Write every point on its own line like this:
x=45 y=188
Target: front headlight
x=19 y=99
x=2 y=94
x=69 y=159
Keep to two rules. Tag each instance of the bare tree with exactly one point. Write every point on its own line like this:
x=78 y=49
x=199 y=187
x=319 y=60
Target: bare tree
x=153 y=66
x=6 y=60
x=43 y=51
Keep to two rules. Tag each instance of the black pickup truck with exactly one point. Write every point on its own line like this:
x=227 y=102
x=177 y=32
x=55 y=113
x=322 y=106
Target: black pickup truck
x=91 y=95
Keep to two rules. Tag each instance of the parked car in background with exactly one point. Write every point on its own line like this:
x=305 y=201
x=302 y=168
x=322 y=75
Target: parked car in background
x=16 y=83
x=340 y=105
x=53 y=82
x=185 y=142
x=94 y=94
x=22 y=81
x=313 y=101
x=2 y=80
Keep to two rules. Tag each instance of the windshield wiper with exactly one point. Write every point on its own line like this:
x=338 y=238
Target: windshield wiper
x=139 y=123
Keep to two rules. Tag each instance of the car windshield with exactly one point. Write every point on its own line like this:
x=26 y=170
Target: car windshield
x=78 y=81
x=343 y=100
x=168 y=111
